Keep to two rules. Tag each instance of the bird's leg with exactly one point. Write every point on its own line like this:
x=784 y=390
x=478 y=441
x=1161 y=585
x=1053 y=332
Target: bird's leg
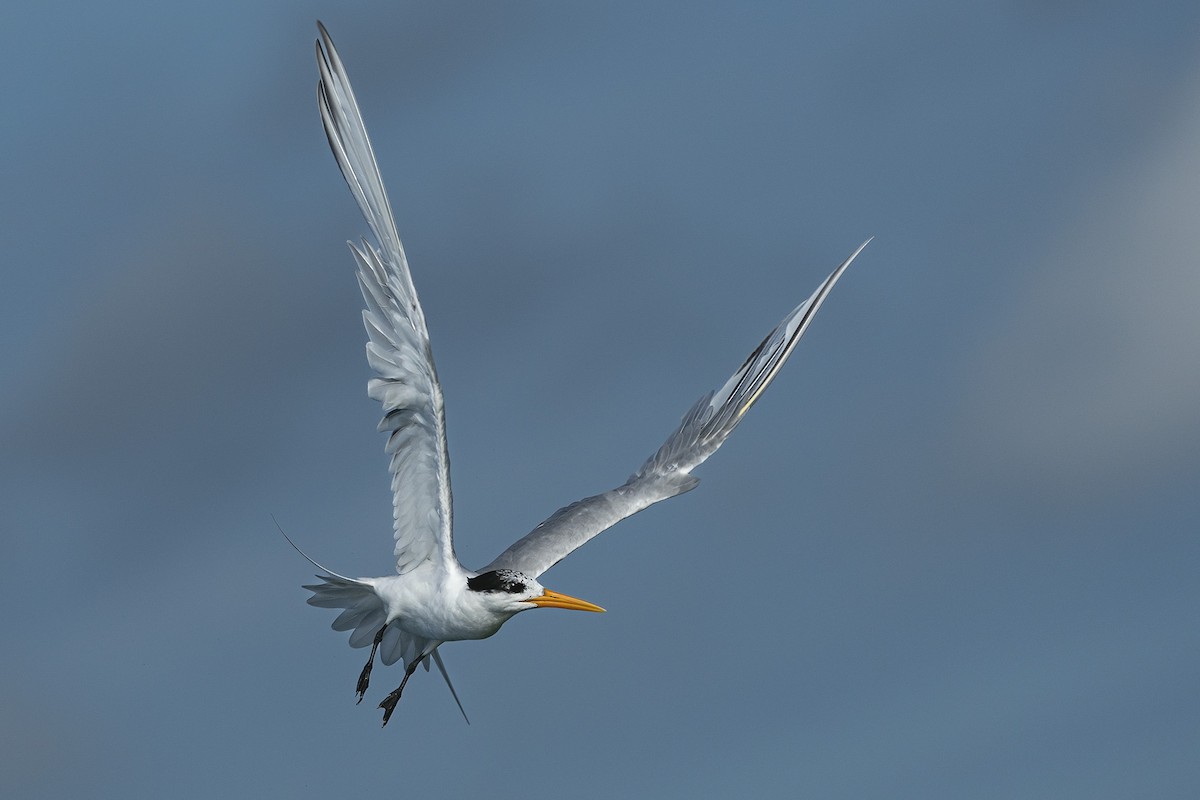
x=389 y=703
x=364 y=677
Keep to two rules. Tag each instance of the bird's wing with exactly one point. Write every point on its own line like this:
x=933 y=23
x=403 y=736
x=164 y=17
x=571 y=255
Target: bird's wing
x=398 y=343
x=668 y=472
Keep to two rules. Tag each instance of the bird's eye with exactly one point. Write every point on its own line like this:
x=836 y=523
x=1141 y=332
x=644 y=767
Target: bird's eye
x=516 y=588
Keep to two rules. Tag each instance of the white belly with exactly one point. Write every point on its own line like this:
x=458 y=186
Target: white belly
x=429 y=604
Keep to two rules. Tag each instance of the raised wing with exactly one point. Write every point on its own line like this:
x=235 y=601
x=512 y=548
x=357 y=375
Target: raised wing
x=398 y=343
x=668 y=472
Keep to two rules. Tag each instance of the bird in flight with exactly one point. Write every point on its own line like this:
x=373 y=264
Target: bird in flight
x=433 y=599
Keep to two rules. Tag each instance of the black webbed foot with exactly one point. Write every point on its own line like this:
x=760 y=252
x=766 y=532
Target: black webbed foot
x=389 y=703
x=364 y=677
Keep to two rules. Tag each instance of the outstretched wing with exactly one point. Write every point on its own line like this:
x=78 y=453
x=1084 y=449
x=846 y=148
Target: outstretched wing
x=398 y=343
x=668 y=472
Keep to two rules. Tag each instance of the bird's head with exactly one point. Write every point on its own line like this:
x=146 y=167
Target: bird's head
x=508 y=591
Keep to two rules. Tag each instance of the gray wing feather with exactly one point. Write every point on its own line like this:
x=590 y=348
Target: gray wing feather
x=668 y=472
x=398 y=347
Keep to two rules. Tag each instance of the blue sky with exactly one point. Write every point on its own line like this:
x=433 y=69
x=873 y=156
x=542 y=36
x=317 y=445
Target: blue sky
x=952 y=553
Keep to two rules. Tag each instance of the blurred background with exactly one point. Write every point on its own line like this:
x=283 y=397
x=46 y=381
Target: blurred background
x=952 y=553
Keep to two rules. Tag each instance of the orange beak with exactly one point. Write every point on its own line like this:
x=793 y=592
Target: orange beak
x=555 y=600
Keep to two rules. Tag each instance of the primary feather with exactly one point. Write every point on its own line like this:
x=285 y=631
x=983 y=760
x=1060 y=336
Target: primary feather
x=398 y=347
x=668 y=472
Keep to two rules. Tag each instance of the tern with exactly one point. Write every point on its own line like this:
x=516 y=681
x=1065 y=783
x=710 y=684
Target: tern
x=433 y=599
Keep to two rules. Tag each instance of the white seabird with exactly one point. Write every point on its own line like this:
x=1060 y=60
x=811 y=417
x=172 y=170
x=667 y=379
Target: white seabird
x=432 y=598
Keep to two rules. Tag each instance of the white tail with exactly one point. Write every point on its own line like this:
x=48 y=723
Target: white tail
x=364 y=613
